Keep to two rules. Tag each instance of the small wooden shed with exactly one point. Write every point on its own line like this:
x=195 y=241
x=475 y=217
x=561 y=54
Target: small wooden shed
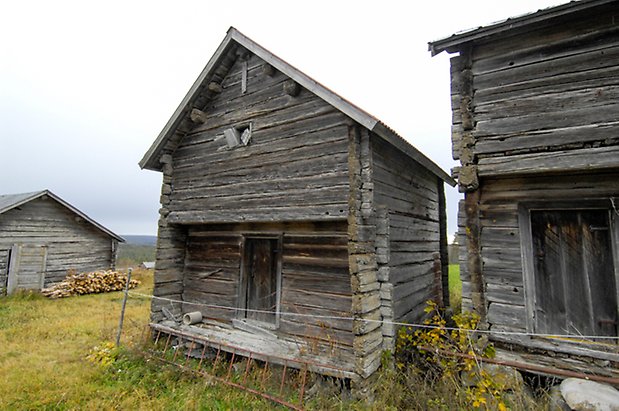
x=536 y=130
x=286 y=211
x=42 y=237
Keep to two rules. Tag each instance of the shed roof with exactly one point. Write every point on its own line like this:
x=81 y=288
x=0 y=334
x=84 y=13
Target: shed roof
x=10 y=201
x=151 y=158
x=454 y=42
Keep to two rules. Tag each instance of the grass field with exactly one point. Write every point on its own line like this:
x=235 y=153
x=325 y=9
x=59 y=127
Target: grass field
x=44 y=344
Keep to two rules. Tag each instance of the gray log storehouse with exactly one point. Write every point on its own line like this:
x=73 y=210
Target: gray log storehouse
x=284 y=208
x=536 y=129
x=42 y=237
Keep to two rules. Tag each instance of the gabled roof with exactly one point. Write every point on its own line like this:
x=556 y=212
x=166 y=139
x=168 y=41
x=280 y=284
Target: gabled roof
x=540 y=17
x=151 y=158
x=10 y=201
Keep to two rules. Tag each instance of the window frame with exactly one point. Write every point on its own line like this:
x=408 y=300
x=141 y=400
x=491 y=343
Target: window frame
x=526 y=245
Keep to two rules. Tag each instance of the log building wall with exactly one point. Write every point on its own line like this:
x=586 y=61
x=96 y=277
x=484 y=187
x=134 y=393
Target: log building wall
x=298 y=151
x=307 y=177
x=534 y=122
x=410 y=199
x=71 y=243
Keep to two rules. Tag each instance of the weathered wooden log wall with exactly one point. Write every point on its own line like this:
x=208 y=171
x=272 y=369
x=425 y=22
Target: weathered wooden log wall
x=315 y=280
x=170 y=254
x=534 y=119
x=72 y=244
x=298 y=151
x=554 y=90
x=295 y=168
x=411 y=198
x=306 y=179
x=362 y=235
x=501 y=235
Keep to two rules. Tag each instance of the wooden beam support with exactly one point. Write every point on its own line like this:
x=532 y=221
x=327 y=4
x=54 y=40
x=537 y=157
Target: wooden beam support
x=198 y=116
x=243 y=53
x=292 y=88
x=268 y=70
x=215 y=87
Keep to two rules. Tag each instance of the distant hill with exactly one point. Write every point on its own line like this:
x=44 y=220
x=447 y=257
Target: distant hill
x=140 y=239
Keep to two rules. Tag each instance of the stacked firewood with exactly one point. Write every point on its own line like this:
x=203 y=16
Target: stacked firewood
x=89 y=283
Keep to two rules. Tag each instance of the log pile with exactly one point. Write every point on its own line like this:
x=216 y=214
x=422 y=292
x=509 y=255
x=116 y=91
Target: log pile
x=89 y=283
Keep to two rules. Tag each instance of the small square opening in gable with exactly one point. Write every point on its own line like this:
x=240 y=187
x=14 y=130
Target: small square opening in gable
x=239 y=135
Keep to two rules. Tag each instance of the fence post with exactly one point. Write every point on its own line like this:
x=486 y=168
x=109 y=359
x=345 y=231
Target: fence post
x=122 y=311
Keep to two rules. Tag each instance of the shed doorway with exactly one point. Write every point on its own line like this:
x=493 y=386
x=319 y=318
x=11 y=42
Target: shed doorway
x=574 y=272
x=27 y=267
x=5 y=258
x=260 y=280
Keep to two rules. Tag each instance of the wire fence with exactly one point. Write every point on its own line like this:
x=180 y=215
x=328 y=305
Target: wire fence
x=285 y=380
x=574 y=337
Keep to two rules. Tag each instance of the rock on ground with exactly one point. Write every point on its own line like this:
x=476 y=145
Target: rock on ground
x=584 y=395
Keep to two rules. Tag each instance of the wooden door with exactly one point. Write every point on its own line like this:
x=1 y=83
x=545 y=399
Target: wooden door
x=5 y=256
x=575 y=285
x=27 y=267
x=261 y=279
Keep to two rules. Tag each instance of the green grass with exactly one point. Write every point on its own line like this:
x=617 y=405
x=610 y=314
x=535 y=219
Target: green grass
x=455 y=287
x=44 y=344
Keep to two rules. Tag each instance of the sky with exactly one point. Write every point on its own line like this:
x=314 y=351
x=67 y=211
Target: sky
x=86 y=87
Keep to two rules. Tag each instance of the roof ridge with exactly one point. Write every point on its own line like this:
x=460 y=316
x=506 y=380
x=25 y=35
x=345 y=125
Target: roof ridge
x=23 y=198
x=373 y=124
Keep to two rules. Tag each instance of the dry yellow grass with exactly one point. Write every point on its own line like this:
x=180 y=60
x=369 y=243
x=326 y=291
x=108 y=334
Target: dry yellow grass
x=43 y=349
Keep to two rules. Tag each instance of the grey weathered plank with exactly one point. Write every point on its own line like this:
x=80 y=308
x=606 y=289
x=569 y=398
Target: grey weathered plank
x=545 y=140
x=71 y=245
x=507 y=315
x=590 y=159
x=596 y=58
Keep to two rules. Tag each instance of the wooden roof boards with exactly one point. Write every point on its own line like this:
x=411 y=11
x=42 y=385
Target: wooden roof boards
x=233 y=39
x=512 y=25
x=11 y=201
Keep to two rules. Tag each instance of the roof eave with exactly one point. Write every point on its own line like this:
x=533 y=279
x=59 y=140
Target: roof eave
x=454 y=42
x=37 y=194
x=148 y=161
x=82 y=215
x=354 y=112
x=32 y=196
x=357 y=114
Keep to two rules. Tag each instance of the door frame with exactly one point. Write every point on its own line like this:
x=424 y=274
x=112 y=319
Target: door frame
x=243 y=282
x=5 y=286
x=15 y=264
x=526 y=245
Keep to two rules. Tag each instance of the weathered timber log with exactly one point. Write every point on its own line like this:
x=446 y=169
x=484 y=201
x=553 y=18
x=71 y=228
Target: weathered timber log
x=214 y=87
x=292 y=88
x=268 y=70
x=198 y=116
